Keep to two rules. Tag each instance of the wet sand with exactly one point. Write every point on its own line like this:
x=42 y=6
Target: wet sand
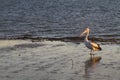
x=56 y=60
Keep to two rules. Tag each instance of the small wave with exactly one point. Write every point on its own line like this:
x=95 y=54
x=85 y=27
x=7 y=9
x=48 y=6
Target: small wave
x=79 y=39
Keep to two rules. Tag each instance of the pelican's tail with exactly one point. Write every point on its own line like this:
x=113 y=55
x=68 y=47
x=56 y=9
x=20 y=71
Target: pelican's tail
x=99 y=47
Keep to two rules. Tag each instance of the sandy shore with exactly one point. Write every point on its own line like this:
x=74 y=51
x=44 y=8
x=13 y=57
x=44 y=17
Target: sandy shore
x=56 y=60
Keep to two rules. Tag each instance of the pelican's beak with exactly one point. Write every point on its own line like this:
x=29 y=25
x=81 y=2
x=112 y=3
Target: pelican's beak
x=82 y=33
x=86 y=31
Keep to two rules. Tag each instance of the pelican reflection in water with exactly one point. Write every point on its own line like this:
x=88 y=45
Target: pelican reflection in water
x=90 y=45
x=90 y=66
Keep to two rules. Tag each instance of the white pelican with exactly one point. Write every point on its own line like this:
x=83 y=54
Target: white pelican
x=91 y=45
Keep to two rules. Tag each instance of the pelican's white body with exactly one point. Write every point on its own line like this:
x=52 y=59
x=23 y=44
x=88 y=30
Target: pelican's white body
x=88 y=45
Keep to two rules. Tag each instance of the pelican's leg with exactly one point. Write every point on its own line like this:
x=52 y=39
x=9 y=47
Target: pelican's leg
x=91 y=53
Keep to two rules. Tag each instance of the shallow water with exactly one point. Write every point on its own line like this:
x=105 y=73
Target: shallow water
x=56 y=60
x=59 y=18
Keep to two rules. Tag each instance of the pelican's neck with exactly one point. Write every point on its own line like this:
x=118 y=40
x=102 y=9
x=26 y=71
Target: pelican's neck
x=86 y=38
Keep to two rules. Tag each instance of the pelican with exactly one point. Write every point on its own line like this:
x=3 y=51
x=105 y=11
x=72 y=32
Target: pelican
x=90 y=45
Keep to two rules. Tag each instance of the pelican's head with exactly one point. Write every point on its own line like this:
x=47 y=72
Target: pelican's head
x=86 y=31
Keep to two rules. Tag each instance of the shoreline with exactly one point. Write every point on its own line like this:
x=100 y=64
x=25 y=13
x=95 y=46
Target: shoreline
x=68 y=39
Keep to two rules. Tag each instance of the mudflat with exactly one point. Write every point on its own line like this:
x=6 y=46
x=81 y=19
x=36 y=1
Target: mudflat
x=57 y=60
